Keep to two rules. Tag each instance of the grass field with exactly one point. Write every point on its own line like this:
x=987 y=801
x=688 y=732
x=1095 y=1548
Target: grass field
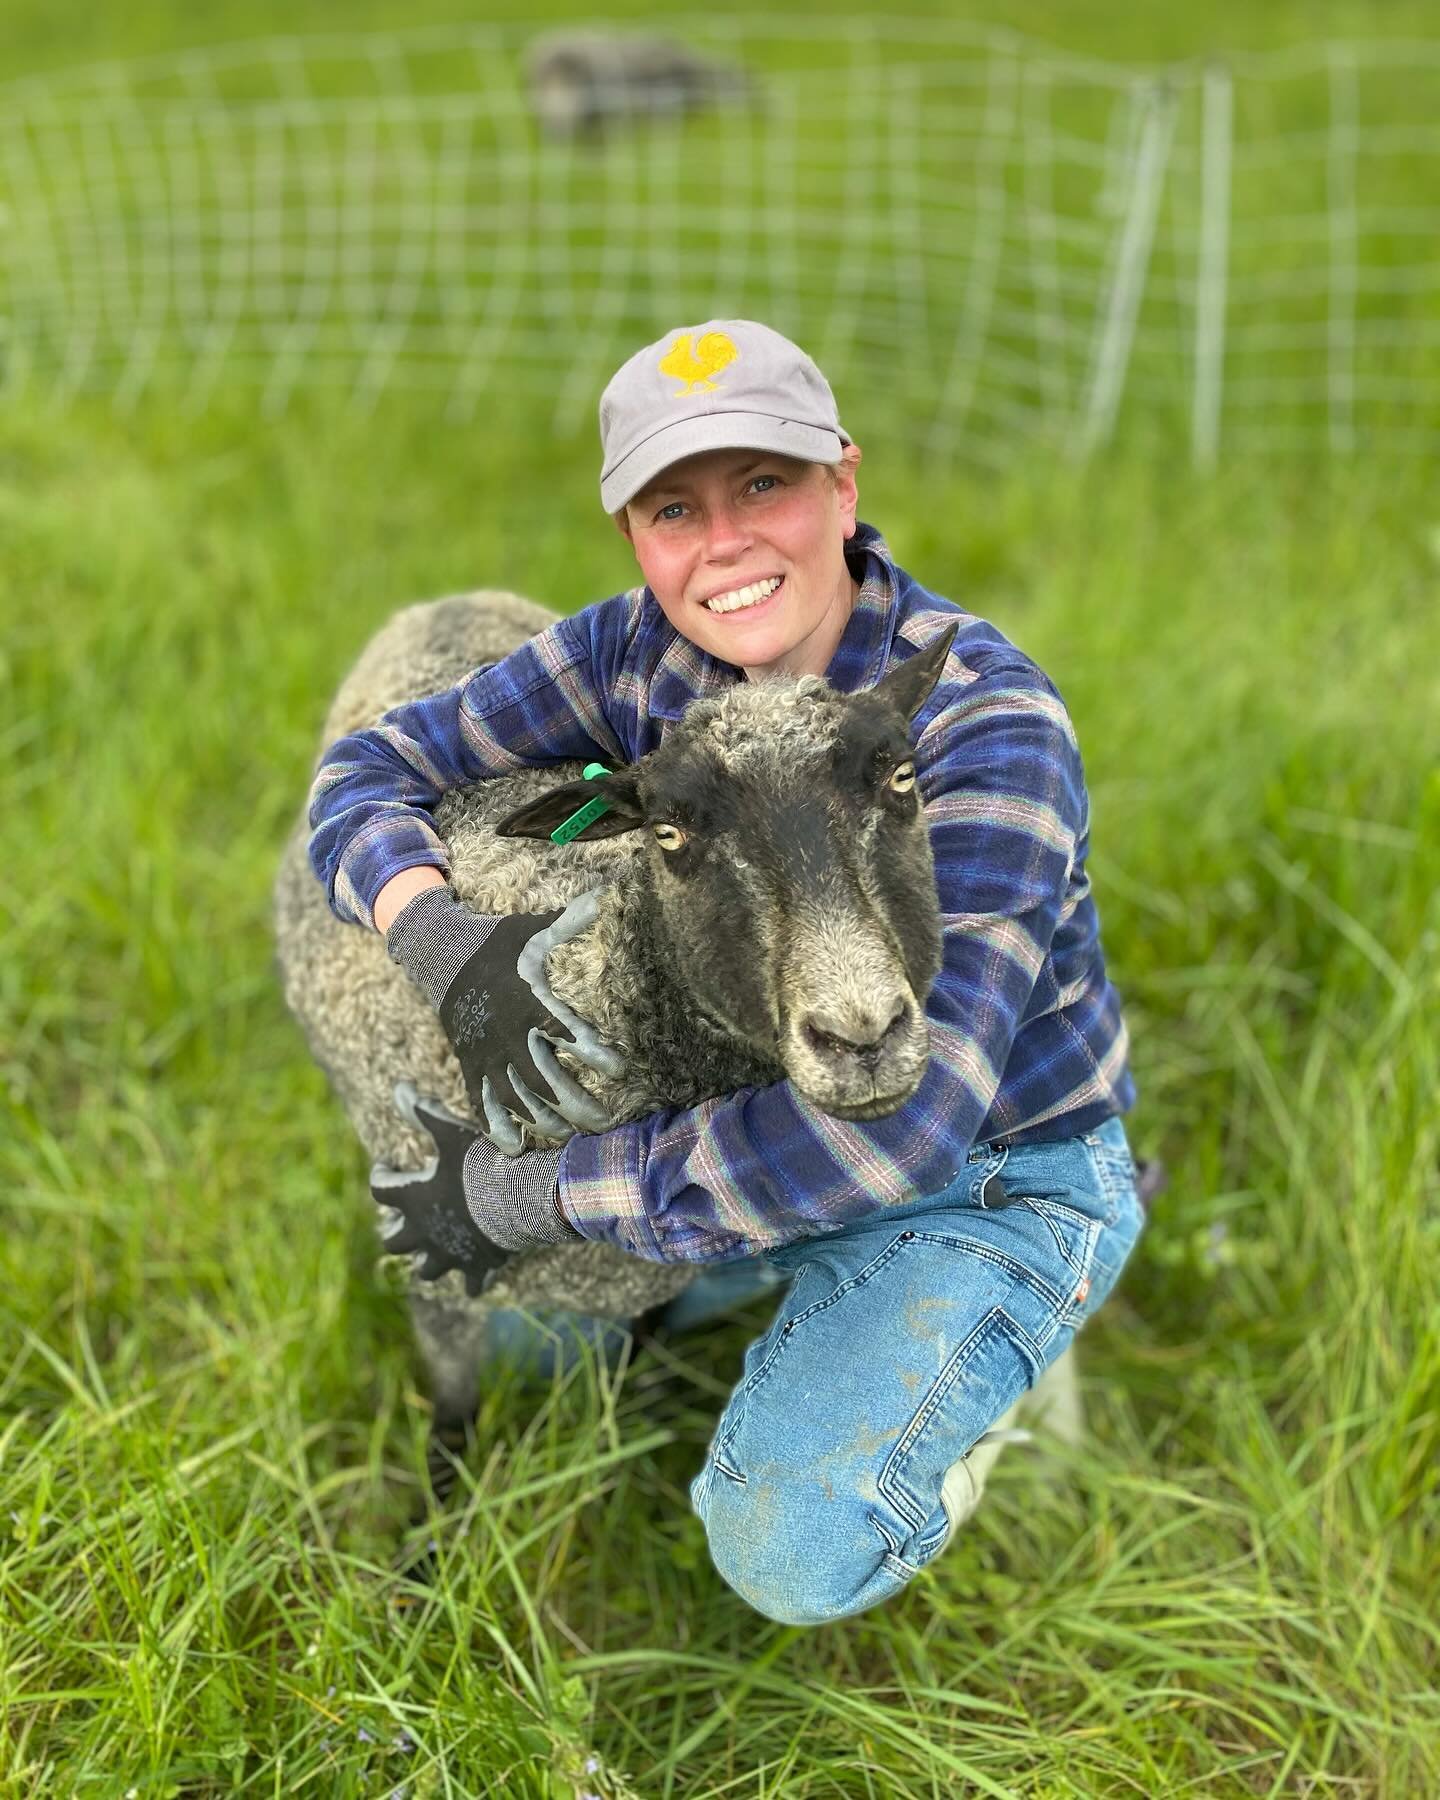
x=211 y=1429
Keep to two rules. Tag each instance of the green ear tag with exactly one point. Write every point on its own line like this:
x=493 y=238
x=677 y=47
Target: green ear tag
x=588 y=813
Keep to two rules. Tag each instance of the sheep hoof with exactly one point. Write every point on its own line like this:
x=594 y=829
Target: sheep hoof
x=450 y=1439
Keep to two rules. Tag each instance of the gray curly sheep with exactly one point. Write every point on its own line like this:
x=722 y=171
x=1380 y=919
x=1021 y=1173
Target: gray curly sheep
x=739 y=981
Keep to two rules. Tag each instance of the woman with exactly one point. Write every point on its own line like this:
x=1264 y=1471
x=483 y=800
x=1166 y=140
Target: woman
x=940 y=1259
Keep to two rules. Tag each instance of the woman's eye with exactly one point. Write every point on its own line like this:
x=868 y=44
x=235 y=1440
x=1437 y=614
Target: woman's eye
x=668 y=837
x=902 y=780
x=772 y=479
x=672 y=511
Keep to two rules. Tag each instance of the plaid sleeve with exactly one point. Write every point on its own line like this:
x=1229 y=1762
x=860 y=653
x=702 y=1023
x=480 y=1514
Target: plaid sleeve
x=1005 y=799
x=373 y=792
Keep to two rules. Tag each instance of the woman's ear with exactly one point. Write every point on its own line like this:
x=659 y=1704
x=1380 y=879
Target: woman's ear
x=846 y=492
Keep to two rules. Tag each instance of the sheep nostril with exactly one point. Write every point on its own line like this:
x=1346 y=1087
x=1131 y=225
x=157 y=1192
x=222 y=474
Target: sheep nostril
x=899 y=1018
x=857 y=1036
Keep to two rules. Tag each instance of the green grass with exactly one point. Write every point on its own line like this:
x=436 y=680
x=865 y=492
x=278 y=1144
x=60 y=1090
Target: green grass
x=211 y=1427
x=214 y=1431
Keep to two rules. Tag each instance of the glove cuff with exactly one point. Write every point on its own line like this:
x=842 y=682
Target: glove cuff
x=514 y=1200
x=433 y=936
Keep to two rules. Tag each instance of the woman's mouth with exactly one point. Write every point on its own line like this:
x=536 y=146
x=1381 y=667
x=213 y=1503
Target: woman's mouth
x=747 y=599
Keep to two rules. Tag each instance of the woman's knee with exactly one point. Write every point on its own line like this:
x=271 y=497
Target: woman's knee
x=790 y=1564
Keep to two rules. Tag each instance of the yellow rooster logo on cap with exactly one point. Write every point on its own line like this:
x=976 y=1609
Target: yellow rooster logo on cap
x=694 y=366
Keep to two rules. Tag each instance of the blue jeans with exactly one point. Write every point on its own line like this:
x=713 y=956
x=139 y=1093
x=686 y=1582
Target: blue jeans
x=900 y=1340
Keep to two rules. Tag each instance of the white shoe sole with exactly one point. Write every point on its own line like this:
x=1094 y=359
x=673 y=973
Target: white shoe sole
x=1053 y=1405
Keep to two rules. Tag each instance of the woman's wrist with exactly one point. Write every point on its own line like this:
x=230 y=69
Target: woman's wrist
x=434 y=936
x=514 y=1200
x=400 y=890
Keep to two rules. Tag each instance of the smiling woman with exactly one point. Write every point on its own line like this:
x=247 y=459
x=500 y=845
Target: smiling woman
x=737 y=492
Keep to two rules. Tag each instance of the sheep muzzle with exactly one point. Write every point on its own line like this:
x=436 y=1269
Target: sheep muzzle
x=854 y=1039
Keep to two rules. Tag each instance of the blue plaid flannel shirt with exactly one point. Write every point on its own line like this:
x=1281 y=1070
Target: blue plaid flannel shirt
x=1027 y=1036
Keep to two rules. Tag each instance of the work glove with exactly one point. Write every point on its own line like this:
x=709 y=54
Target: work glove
x=485 y=976
x=469 y=1207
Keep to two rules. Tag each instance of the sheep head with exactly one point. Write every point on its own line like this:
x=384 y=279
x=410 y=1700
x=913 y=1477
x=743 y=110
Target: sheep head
x=791 y=865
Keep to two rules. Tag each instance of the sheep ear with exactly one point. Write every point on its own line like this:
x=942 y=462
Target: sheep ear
x=541 y=818
x=910 y=686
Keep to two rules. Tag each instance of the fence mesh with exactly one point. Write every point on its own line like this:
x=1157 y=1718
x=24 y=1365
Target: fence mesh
x=983 y=242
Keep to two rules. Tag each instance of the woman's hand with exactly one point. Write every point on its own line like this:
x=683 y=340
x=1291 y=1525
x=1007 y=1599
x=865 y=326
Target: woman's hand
x=485 y=975
x=468 y=1207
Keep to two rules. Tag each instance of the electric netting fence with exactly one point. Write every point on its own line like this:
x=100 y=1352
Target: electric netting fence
x=983 y=242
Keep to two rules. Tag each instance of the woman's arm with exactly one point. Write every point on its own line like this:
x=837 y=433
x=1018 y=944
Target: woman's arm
x=1006 y=803
x=374 y=791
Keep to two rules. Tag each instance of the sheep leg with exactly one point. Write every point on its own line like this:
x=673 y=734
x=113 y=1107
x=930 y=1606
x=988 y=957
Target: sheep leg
x=450 y=1441
x=450 y=1329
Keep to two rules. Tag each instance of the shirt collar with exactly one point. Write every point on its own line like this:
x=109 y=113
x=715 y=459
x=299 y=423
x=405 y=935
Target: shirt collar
x=686 y=672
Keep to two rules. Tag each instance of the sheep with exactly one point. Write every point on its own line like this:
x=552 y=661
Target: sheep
x=580 y=82
x=671 y=973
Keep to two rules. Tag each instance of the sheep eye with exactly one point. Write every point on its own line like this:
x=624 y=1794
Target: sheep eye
x=902 y=780
x=669 y=837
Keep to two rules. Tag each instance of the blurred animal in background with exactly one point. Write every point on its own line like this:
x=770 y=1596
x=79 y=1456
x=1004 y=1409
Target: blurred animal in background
x=695 y=363
x=582 y=82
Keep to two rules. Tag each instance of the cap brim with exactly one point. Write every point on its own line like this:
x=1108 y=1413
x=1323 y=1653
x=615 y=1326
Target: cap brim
x=716 y=431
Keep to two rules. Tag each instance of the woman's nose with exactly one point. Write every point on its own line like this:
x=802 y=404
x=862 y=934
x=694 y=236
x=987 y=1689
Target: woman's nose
x=725 y=535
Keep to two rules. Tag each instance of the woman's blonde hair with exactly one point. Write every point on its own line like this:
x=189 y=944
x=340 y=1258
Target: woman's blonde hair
x=849 y=459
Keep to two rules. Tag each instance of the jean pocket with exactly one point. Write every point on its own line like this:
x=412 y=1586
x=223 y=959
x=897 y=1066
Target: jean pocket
x=1073 y=1209
x=1069 y=1176
x=1072 y=1242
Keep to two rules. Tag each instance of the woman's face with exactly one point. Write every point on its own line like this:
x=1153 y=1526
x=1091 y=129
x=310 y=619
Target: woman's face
x=714 y=525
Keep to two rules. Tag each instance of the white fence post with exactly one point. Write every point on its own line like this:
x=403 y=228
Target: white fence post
x=1127 y=282
x=1217 y=125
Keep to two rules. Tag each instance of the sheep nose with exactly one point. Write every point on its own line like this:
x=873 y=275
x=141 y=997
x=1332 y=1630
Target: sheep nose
x=862 y=1033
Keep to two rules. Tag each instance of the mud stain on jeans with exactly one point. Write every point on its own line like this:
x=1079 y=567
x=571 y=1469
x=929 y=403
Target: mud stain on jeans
x=868 y=1443
x=923 y=1316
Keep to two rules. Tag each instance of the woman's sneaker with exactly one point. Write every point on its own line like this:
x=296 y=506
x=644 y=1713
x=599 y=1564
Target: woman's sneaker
x=1053 y=1404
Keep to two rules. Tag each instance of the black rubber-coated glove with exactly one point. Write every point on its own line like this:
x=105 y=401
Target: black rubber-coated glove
x=485 y=976
x=470 y=1207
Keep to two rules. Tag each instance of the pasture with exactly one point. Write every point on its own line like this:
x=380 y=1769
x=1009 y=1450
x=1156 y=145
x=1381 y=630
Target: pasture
x=211 y=1437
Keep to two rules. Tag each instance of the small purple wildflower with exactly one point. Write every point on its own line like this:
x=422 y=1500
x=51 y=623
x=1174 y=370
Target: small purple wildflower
x=364 y=1736
x=330 y=1691
x=592 y=1763
x=404 y=1743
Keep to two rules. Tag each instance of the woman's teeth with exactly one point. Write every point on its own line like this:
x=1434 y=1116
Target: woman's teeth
x=746 y=596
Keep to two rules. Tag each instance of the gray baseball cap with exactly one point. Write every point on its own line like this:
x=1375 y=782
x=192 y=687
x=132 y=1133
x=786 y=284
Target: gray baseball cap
x=729 y=384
